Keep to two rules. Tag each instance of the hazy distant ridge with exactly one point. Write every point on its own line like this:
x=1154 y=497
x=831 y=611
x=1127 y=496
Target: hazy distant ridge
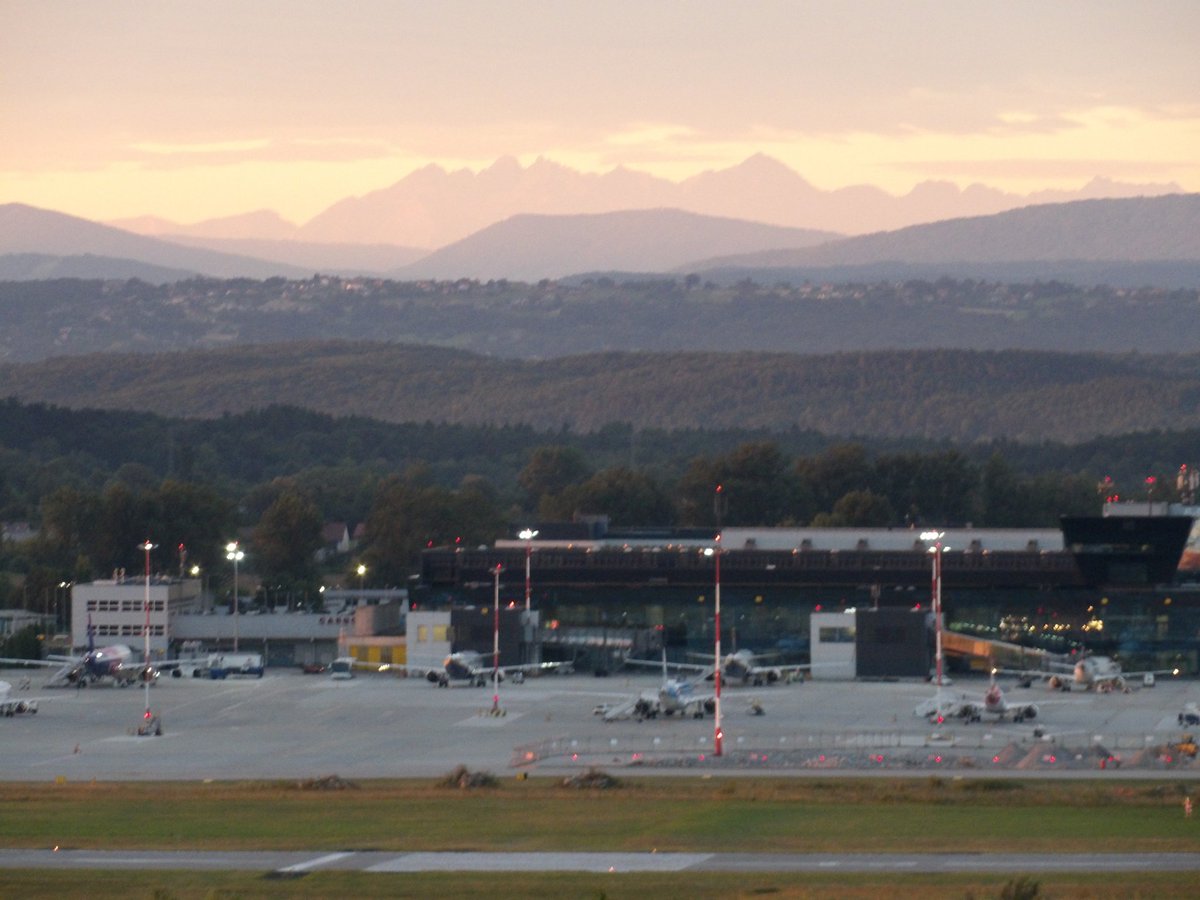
x=1143 y=228
x=532 y=247
x=29 y=230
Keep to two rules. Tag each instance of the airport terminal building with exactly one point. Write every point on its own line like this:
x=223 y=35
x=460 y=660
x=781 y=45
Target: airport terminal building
x=857 y=597
x=1110 y=584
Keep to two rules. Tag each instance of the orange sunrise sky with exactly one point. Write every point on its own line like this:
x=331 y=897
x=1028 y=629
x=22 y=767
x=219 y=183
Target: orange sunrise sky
x=118 y=108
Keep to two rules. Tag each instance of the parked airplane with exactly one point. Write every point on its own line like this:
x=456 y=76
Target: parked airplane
x=741 y=668
x=673 y=696
x=474 y=668
x=972 y=707
x=744 y=668
x=1099 y=673
x=114 y=663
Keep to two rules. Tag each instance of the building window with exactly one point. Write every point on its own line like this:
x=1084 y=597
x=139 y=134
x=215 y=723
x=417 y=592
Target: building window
x=836 y=635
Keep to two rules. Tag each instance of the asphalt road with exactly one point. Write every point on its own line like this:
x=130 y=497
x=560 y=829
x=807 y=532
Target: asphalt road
x=289 y=725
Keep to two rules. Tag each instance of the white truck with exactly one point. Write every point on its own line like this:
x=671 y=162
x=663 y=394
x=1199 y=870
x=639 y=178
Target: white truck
x=220 y=665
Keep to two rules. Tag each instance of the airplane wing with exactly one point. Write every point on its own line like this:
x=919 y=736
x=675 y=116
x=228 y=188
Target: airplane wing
x=625 y=708
x=704 y=670
x=58 y=661
x=1053 y=678
x=774 y=673
x=1144 y=672
x=564 y=668
x=948 y=705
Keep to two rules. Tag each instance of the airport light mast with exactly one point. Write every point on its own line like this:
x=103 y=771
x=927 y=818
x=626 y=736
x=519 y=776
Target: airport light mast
x=936 y=551
x=718 y=733
x=147 y=547
x=527 y=535
x=234 y=553
x=496 y=641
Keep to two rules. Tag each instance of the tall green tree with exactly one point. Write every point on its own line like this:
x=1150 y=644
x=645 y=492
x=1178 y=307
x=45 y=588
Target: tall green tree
x=1002 y=497
x=863 y=509
x=196 y=517
x=286 y=541
x=410 y=514
x=756 y=488
x=836 y=472
x=626 y=496
x=550 y=471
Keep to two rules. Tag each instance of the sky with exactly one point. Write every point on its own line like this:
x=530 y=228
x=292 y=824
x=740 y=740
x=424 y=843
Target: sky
x=196 y=109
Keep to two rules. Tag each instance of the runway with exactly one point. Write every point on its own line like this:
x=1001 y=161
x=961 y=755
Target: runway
x=297 y=864
x=290 y=725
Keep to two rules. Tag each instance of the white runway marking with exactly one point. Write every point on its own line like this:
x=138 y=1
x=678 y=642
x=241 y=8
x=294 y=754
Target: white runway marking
x=486 y=719
x=314 y=863
x=545 y=862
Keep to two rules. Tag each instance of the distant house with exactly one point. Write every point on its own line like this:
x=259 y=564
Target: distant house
x=335 y=541
x=17 y=532
x=13 y=620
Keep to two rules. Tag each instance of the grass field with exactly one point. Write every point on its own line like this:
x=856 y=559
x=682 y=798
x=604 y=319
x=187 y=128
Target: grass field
x=639 y=814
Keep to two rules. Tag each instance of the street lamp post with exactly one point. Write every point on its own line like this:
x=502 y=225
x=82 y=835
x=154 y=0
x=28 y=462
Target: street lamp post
x=234 y=552
x=496 y=641
x=60 y=617
x=527 y=535
x=147 y=547
x=936 y=551
x=718 y=733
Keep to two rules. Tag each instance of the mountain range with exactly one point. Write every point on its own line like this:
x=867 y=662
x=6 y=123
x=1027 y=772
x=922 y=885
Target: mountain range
x=1094 y=240
x=432 y=207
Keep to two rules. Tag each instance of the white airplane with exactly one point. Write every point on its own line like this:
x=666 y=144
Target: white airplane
x=742 y=668
x=114 y=662
x=472 y=667
x=1099 y=673
x=673 y=696
x=972 y=707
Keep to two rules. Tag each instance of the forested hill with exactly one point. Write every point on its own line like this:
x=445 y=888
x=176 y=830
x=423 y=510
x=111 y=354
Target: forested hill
x=959 y=395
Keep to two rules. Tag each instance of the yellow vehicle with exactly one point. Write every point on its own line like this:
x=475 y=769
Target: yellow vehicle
x=1185 y=746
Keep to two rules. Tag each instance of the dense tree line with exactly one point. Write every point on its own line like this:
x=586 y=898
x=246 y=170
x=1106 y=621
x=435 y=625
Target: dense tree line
x=96 y=485
x=960 y=395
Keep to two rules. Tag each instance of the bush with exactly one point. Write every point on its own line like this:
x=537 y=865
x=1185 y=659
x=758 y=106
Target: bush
x=464 y=779
x=592 y=779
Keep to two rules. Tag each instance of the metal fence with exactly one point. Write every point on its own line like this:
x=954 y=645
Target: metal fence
x=884 y=749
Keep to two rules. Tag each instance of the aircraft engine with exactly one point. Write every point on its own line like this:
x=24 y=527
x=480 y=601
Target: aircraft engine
x=710 y=706
x=773 y=676
x=1028 y=712
x=432 y=677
